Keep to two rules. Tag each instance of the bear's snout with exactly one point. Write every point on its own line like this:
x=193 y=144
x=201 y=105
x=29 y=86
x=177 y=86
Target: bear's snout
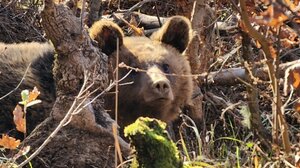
x=160 y=87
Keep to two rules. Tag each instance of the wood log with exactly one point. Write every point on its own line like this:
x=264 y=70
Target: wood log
x=151 y=23
x=145 y=21
x=233 y=76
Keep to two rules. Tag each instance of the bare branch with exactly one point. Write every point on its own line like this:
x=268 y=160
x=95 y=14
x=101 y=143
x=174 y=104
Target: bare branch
x=23 y=78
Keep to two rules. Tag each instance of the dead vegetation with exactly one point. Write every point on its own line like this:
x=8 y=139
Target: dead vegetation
x=240 y=115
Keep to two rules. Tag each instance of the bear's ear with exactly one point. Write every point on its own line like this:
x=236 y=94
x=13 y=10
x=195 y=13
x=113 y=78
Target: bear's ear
x=106 y=34
x=175 y=32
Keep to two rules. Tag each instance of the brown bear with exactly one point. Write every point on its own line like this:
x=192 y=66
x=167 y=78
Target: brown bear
x=159 y=89
x=163 y=84
x=14 y=60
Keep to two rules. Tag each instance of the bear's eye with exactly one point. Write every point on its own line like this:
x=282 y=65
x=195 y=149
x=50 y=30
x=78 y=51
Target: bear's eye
x=166 y=68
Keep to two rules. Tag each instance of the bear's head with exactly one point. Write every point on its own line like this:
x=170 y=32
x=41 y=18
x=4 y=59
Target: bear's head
x=159 y=82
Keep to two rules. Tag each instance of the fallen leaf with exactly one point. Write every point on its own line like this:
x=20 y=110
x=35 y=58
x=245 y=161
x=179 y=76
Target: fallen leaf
x=291 y=5
x=9 y=142
x=292 y=80
x=19 y=119
x=273 y=16
x=33 y=94
x=296 y=79
x=297 y=106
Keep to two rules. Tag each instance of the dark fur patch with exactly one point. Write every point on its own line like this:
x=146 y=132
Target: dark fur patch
x=14 y=59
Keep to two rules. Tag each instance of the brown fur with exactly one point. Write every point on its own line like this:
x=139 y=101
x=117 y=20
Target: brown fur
x=105 y=33
x=152 y=94
x=14 y=59
x=151 y=55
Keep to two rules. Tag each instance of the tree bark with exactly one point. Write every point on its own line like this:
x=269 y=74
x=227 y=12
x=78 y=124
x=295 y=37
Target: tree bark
x=200 y=51
x=87 y=138
x=233 y=76
x=252 y=96
x=76 y=54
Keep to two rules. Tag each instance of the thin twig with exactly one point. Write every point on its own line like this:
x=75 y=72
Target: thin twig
x=68 y=115
x=289 y=98
x=134 y=28
x=123 y=65
x=157 y=15
x=117 y=145
x=289 y=52
x=195 y=128
x=139 y=5
x=117 y=84
x=58 y=128
x=117 y=153
x=279 y=122
x=229 y=107
x=228 y=55
x=119 y=4
x=82 y=15
x=23 y=78
x=287 y=163
x=123 y=163
x=10 y=3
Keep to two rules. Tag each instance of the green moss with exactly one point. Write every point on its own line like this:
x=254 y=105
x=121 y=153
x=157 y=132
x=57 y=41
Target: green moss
x=152 y=145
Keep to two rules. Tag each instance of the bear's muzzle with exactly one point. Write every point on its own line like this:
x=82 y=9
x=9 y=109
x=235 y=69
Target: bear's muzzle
x=159 y=88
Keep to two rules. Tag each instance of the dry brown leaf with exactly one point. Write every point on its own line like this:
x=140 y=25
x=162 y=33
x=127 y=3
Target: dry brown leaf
x=296 y=20
x=19 y=119
x=273 y=16
x=292 y=79
x=291 y=5
x=297 y=106
x=288 y=32
x=256 y=161
x=297 y=160
x=286 y=43
x=296 y=79
x=9 y=142
x=33 y=94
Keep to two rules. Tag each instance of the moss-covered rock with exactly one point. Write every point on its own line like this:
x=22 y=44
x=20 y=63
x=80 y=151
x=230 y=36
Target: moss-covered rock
x=152 y=145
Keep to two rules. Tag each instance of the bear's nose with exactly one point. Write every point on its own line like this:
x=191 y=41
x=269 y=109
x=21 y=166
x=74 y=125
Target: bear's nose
x=161 y=86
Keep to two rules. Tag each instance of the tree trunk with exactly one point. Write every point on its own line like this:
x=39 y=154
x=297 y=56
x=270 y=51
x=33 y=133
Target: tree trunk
x=200 y=51
x=87 y=139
